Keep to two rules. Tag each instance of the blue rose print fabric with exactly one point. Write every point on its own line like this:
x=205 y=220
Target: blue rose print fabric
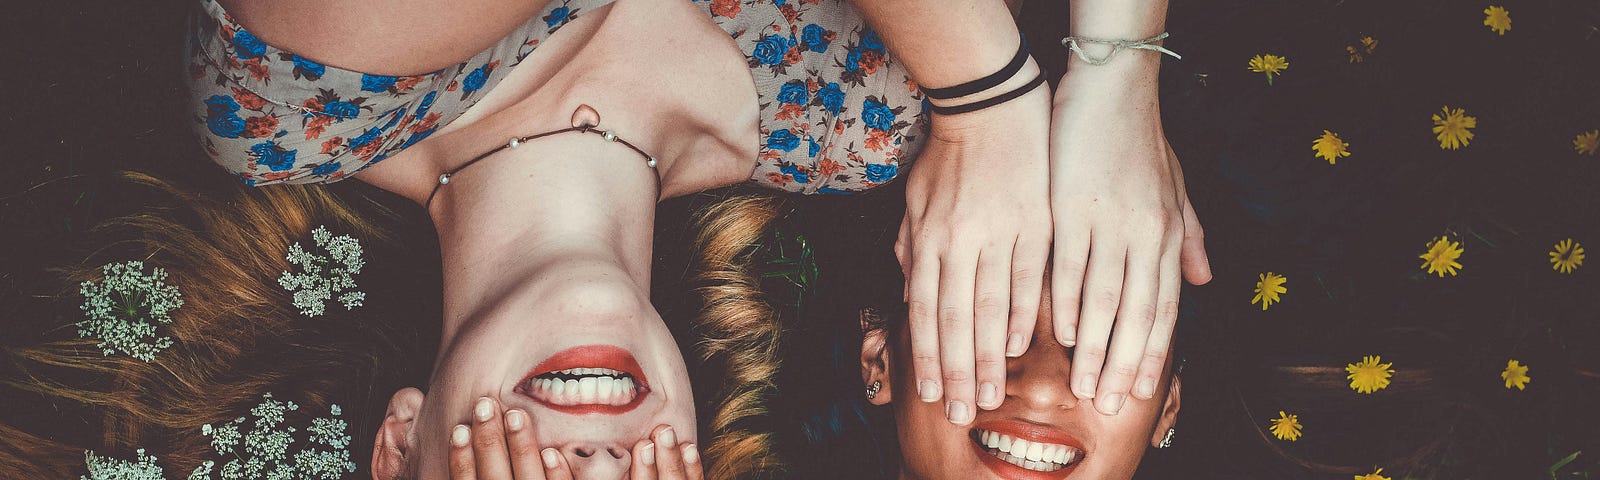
x=838 y=115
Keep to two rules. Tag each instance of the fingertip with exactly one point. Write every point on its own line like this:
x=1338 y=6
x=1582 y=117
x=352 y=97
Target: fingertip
x=460 y=436
x=551 y=458
x=691 y=454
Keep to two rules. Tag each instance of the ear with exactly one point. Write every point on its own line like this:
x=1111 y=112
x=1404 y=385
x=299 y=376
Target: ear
x=395 y=438
x=1169 y=411
x=875 y=357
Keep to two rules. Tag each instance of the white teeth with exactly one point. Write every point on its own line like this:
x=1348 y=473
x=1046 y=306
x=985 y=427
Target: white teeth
x=603 y=389
x=1037 y=456
x=586 y=390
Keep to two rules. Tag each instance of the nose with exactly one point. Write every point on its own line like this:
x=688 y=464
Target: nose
x=597 y=461
x=1039 y=379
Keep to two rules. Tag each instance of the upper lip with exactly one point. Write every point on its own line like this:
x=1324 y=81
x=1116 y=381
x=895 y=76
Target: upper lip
x=589 y=356
x=1032 y=432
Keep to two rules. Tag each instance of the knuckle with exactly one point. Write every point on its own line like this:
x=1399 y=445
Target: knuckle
x=1094 y=354
x=1022 y=312
x=1169 y=310
x=957 y=377
x=925 y=361
x=1124 y=369
x=1106 y=299
x=991 y=303
x=951 y=314
x=986 y=363
x=1155 y=358
x=917 y=309
x=1025 y=275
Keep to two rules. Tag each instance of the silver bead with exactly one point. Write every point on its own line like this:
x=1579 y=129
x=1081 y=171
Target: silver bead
x=872 y=390
x=610 y=137
x=1166 y=442
x=651 y=161
x=515 y=142
x=444 y=179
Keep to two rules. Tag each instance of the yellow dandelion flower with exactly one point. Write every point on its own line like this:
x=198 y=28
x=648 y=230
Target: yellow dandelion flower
x=1441 y=256
x=1330 y=147
x=1369 y=376
x=1285 y=427
x=1373 y=476
x=1515 y=375
x=1358 y=52
x=1567 y=256
x=1453 y=128
x=1587 y=143
x=1497 y=19
x=1272 y=65
x=1268 y=290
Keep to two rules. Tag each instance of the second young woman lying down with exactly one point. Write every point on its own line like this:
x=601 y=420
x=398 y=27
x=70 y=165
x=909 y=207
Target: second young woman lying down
x=546 y=243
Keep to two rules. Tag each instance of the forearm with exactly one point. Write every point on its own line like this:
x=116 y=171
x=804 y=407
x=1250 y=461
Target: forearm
x=1132 y=72
x=945 y=42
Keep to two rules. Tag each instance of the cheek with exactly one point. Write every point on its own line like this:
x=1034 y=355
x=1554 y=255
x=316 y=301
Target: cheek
x=930 y=446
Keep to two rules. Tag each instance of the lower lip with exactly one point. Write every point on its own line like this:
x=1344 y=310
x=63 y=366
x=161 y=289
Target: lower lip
x=1032 y=433
x=591 y=356
x=1006 y=470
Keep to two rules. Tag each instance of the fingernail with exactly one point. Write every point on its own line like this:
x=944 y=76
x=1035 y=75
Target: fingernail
x=957 y=412
x=1086 y=386
x=1014 y=345
x=691 y=455
x=1146 y=388
x=988 y=395
x=459 y=436
x=514 y=420
x=552 y=459
x=483 y=410
x=667 y=437
x=1113 y=403
x=928 y=390
x=648 y=454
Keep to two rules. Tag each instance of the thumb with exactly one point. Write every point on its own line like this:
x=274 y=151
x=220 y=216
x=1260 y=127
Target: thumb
x=1192 y=255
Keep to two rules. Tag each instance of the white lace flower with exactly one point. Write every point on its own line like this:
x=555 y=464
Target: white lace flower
x=125 y=307
x=106 y=468
x=323 y=276
x=324 y=448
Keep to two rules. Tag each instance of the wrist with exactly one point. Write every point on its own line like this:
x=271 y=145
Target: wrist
x=1119 y=82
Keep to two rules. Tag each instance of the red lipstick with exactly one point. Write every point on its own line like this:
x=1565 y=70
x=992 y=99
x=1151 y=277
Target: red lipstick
x=589 y=356
x=1032 y=433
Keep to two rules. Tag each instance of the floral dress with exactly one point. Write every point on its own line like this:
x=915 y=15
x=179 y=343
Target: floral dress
x=837 y=113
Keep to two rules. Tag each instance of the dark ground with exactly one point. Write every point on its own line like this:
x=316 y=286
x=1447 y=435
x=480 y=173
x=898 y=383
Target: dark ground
x=89 y=89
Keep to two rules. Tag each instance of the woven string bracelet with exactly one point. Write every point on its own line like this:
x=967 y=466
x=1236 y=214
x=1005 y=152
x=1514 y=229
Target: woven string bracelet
x=1116 y=46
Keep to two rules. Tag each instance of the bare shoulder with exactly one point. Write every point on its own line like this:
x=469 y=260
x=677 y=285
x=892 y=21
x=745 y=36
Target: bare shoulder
x=388 y=37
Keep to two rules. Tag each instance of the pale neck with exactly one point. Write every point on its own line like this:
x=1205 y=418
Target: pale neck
x=567 y=202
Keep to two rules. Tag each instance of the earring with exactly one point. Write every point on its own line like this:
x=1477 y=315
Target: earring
x=1166 y=441
x=872 y=390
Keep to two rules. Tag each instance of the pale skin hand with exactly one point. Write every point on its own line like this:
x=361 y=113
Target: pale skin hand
x=1126 y=235
x=502 y=446
x=975 y=239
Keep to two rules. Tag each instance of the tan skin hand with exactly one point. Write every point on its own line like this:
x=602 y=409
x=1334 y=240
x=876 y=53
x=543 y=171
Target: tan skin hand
x=501 y=445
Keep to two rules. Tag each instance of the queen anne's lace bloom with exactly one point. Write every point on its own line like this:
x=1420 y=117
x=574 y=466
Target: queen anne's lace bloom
x=106 y=468
x=124 y=308
x=266 y=454
x=323 y=276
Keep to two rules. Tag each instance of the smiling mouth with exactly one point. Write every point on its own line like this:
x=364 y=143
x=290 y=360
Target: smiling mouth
x=1028 y=455
x=592 y=379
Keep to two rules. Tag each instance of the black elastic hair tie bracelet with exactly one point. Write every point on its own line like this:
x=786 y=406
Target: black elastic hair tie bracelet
x=985 y=83
x=989 y=102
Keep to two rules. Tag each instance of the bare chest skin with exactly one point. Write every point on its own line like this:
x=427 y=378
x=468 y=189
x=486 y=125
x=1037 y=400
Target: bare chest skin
x=661 y=75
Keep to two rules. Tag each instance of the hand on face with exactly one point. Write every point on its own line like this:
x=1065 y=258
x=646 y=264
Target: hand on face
x=1125 y=233
x=973 y=246
x=1041 y=431
x=501 y=445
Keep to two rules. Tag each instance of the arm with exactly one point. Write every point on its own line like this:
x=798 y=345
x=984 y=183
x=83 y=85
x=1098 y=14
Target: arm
x=975 y=238
x=1125 y=232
